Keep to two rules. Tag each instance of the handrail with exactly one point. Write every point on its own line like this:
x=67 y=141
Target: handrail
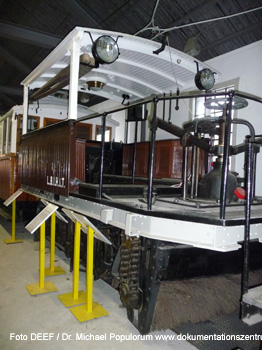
x=161 y=97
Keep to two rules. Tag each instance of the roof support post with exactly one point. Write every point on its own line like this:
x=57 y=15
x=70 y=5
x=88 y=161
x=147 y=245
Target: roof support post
x=74 y=74
x=25 y=110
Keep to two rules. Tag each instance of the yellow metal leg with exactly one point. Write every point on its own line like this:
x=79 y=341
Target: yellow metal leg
x=76 y=259
x=13 y=239
x=41 y=287
x=42 y=257
x=89 y=269
x=91 y=309
x=52 y=242
x=53 y=270
x=76 y=297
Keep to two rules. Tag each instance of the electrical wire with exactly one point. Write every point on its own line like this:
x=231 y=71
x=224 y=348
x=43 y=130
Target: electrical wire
x=166 y=30
x=170 y=56
x=203 y=30
x=174 y=73
x=152 y=19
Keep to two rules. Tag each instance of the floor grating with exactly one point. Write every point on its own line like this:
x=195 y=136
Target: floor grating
x=222 y=327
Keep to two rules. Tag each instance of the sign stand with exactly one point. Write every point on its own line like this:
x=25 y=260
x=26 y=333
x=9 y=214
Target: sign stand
x=75 y=297
x=90 y=309
x=39 y=221
x=53 y=270
x=12 y=200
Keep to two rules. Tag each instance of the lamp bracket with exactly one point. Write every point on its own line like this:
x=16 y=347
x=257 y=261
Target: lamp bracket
x=163 y=46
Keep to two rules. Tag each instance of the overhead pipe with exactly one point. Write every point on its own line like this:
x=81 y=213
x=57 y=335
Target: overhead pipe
x=61 y=79
x=186 y=137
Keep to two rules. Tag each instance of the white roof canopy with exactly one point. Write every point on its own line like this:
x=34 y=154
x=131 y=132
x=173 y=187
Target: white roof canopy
x=137 y=72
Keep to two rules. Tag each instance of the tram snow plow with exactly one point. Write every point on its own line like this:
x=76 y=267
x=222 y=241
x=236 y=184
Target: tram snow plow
x=184 y=227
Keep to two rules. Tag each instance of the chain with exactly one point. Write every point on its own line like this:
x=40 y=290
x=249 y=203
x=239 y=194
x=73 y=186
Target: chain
x=129 y=271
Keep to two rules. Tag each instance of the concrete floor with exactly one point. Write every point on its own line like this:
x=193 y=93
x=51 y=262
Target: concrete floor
x=22 y=316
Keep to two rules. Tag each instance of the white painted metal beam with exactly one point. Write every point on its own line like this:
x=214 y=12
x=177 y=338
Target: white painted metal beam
x=207 y=236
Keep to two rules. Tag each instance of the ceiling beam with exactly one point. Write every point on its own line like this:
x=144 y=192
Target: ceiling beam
x=84 y=17
x=191 y=14
x=9 y=90
x=7 y=56
x=7 y=100
x=114 y=17
x=230 y=37
x=27 y=35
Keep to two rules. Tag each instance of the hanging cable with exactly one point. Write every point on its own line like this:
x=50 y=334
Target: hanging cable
x=152 y=20
x=174 y=74
x=161 y=31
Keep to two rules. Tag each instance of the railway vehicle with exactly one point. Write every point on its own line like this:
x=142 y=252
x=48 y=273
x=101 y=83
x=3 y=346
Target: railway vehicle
x=48 y=111
x=170 y=205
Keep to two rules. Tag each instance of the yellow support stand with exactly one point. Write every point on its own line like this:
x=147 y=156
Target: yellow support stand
x=75 y=297
x=13 y=239
x=53 y=270
x=41 y=287
x=90 y=309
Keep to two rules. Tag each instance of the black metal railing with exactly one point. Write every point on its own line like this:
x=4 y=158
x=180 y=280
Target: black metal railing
x=155 y=123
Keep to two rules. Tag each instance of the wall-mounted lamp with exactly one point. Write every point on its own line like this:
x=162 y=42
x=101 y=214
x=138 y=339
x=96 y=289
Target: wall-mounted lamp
x=105 y=50
x=204 y=79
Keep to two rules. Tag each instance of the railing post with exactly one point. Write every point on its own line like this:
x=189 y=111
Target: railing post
x=249 y=192
x=225 y=168
x=134 y=155
x=102 y=156
x=152 y=157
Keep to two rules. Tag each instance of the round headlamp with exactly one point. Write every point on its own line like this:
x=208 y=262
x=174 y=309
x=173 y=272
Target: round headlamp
x=204 y=79
x=105 y=49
